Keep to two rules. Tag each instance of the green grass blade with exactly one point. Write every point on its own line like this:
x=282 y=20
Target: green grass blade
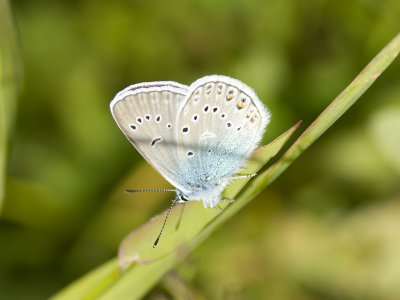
x=187 y=224
x=187 y=221
x=328 y=117
x=187 y=230
x=93 y=283
x=336 y=109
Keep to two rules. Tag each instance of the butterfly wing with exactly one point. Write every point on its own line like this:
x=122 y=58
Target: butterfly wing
x=220 y=124
x=147 y=115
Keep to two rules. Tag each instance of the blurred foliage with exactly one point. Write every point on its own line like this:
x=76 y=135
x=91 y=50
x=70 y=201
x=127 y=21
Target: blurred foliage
x=10 y=73
x=327 y=229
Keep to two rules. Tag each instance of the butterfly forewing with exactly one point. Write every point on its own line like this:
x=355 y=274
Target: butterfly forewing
x=147 y=114
x=219 y=126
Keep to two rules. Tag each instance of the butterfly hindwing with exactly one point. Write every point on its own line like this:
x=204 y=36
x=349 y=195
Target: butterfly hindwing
x=220 y=124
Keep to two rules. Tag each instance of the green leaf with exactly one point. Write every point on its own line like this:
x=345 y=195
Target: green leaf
x=186 y=230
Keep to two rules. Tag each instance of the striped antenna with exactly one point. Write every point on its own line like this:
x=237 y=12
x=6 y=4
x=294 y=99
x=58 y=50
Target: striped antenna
x=169 y=210
x=157 y=190
x=165 y=221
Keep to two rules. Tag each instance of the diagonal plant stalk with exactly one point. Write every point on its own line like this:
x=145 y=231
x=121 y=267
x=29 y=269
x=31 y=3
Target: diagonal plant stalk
x=191 y=218
x=177 y=240
x=110 y=282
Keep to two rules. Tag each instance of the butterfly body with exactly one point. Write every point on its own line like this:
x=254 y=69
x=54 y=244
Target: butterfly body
x=196 y=136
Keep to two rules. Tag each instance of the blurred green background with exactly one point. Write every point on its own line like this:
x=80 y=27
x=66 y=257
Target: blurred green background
x=328 y=228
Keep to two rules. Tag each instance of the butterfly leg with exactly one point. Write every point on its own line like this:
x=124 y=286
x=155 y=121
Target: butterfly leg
x=227 y=200
x=239 y=176
x=223 y=200
x=219 y=209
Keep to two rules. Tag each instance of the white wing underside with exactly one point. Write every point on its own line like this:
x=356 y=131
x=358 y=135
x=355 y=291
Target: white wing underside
x=193 y=136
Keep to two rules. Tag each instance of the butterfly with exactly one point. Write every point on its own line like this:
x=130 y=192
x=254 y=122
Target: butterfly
x=197 y=137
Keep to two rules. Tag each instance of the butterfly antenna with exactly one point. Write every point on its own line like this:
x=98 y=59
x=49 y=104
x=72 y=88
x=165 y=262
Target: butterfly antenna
x=165 y=221
x=157 y=190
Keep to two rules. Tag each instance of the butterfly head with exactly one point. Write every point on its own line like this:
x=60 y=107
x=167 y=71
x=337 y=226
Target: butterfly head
x=207 y=190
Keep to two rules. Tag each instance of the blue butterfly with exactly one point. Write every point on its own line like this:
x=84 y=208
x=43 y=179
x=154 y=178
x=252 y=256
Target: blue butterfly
x=197 y=137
